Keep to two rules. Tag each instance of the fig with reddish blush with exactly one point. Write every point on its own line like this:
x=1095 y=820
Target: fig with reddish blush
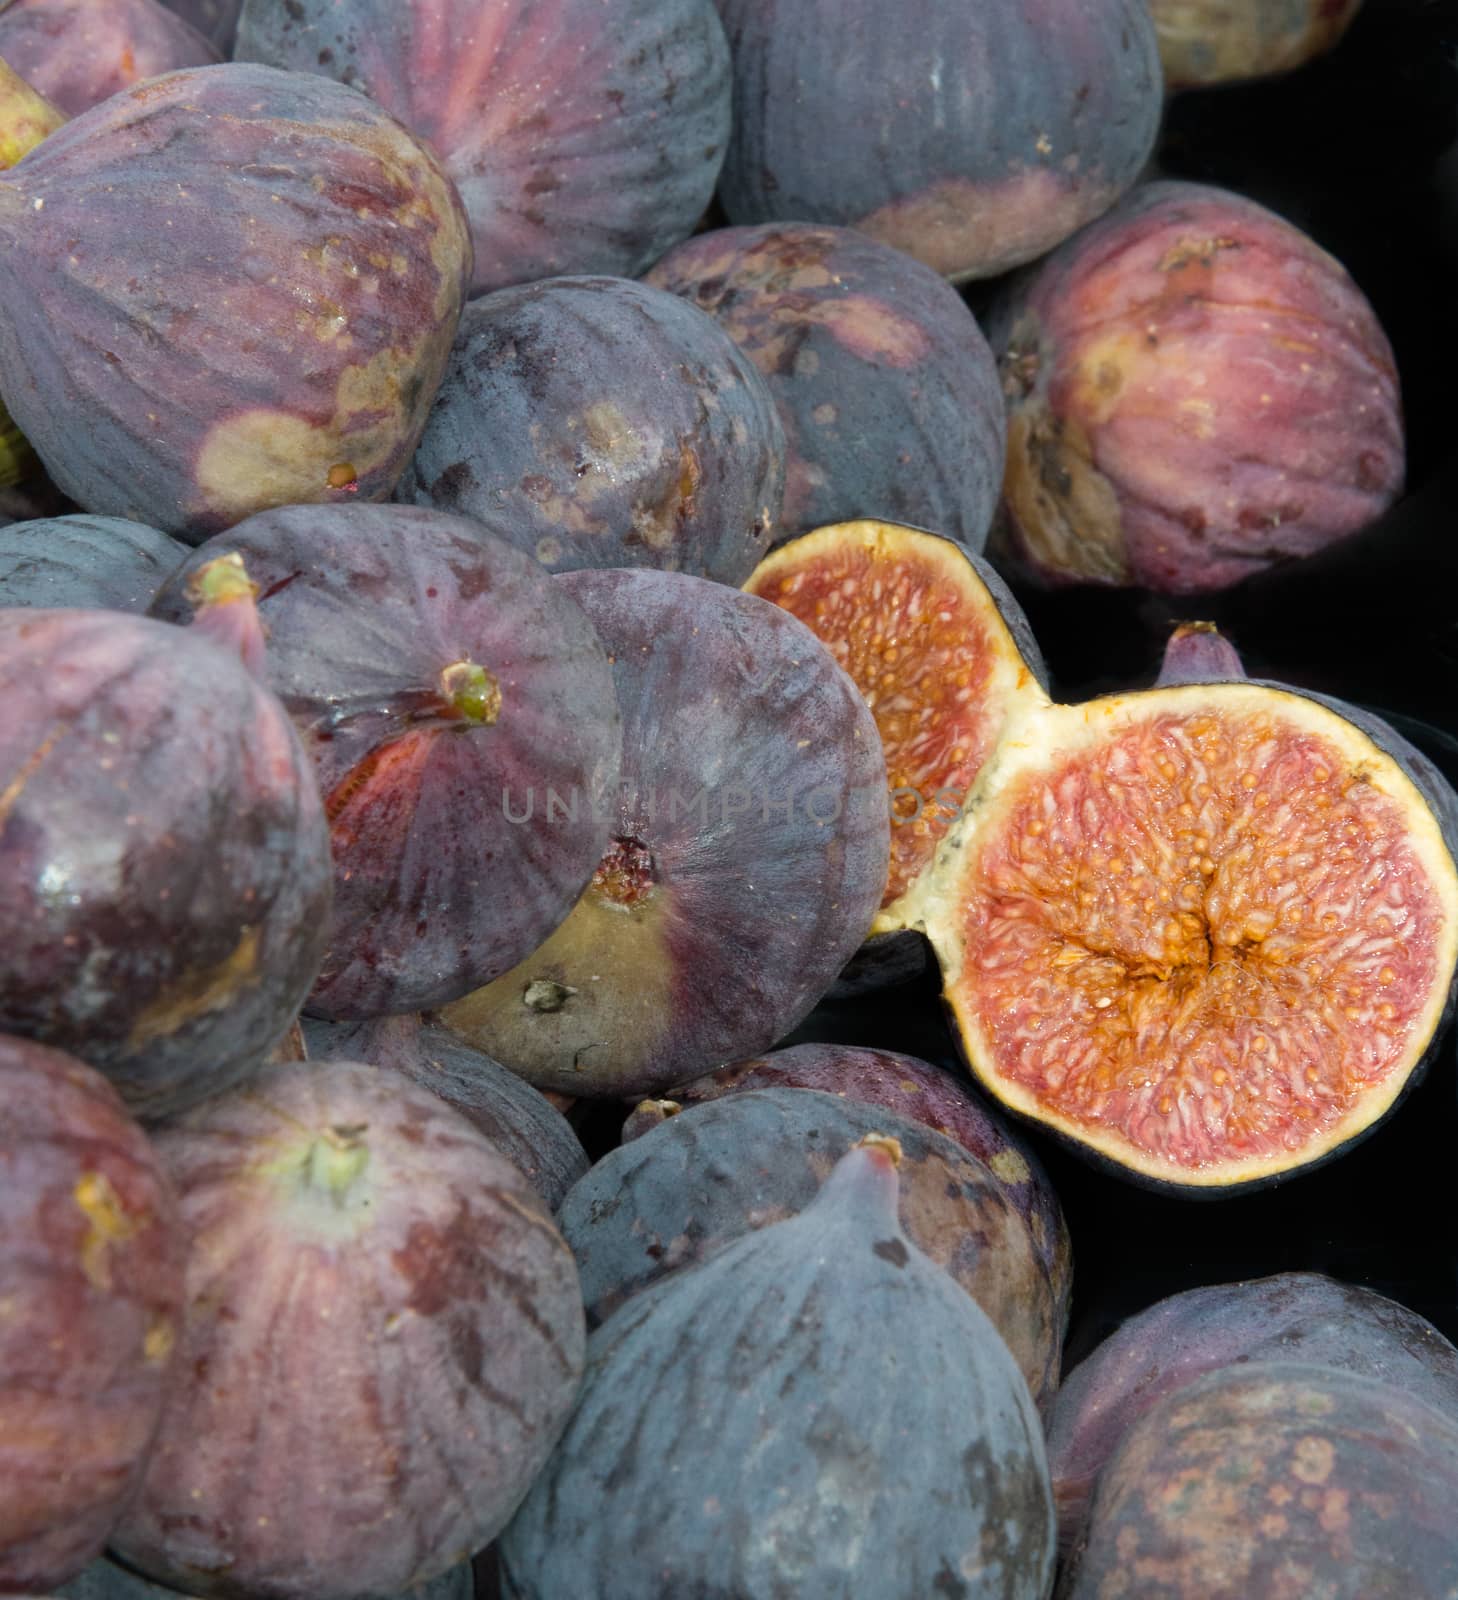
x=384 y=1336
x=1295 y=1316
x=1277 y=1477
x=887 y=389
x=85 y=563
x=91 y=1254
x=1206 y=932
x=109 y=1580
x=749 y=847
x=1195 y=390
x=677 y=1194
x=449 y=693
x=910 y=1088
x=521 y=1122
x=165 y=882
x=78 y=53
x=597 y=422
x=819 y=1410
x=583 y=136
x=216 y=20
x=1204 y=42
x=273 y=335
x=974 y=138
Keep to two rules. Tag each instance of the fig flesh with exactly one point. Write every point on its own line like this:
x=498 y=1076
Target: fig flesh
x=1195 y=391
x=598 y=422
x=276 y=332
x=1206 y=931
x=384 y=1337
x=817 y=1411
x=91 y=1256
x=84 y=563
x=749 y=849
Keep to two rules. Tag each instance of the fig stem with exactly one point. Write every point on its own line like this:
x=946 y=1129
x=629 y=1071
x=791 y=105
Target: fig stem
x=226 y=610
x=1198 y=652
x=471 y=692
x=336 y=1159
x=886 y=1144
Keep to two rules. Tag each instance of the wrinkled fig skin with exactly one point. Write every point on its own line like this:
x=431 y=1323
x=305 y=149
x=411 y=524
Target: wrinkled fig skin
x=1203 y=42
x=273 y=336
x=582 y=137
x=77 y=53
x=523 y=1124
x=91 y=1256
x=751 y=842
x=216 y=20
x=109 y=1580
x=678 y=1193
x=888 y=391
x=1295 y=1316
x=928 y=1095
x=597 y=422
x=1276 y=1478
x=384 y=1339
x=165 y=882
x=85 y=562
x=818 y=1411
x=437 y=889
x=996 y=130
x=1196 y=390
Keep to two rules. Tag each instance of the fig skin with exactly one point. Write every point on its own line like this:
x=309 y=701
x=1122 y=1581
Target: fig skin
x=1204 y=42
x=751 y=838
x=1276 y=1478
x=910 y=1088
x=523 y=1124
x=367 y=611
x=109 y=1580
x=676 y=1195
x=78 y=53
x=384 y=1338
x=895 y=1450
x=1293 y=1316
x=85 y=563
x=886 y=386
x=1196 y=390
x=583 y=137
x=598 y=422
x=973 y=138
x=165 y=881
x=91 y=1256
x=215 y=20
x=277 y=331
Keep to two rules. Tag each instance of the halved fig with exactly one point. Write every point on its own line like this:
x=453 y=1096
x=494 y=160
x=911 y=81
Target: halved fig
x=1207 y=931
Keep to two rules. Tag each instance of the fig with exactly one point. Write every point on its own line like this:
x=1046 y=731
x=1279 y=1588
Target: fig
x=1205 y=932
x=1196 y=390
x=1204 y=42
x=78 y=53
x=1294 y=1316
x=597 y=422
x=1277 y=1478
x=216 y=20
x=974 y=138
x=434 y=675
x=887 y=389
x=384 y=1337
x=109 y=1580
x=164 y=855
x=910 y=1088
x=91 y=1254
x=816 y=1411
x=273 y=335
x=676 y=1195
x=523 y=1124
x=749 y=847
x=583 y=136
x=84 y=563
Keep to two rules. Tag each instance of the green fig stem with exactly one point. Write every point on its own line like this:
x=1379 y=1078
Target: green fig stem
x=225 y=610
x=25 y=118
x=336 y=1159
x=471 y=692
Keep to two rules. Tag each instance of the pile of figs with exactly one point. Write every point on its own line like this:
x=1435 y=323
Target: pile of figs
x=611 y=986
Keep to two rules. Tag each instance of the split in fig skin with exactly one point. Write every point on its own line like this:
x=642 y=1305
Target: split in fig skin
x=91 y=1259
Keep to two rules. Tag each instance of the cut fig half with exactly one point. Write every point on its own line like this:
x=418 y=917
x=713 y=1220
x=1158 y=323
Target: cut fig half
x=1206 y=931
x=940 y=651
